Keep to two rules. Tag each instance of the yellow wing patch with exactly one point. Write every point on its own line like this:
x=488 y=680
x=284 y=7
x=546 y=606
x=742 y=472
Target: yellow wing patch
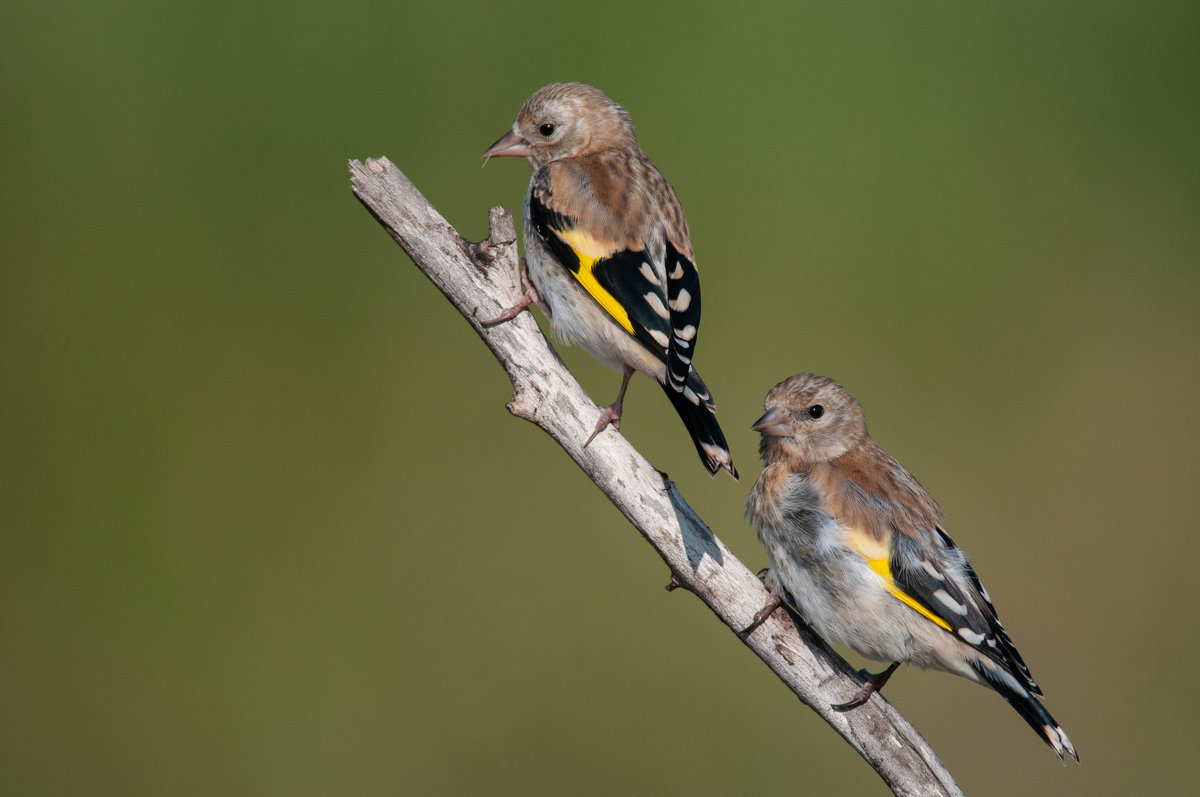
x=881 y=567
x=590 y=251
x=876 y=553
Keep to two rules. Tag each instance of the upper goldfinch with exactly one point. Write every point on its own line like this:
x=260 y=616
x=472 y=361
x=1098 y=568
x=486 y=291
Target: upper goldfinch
x=856 y=545
x=608 y=252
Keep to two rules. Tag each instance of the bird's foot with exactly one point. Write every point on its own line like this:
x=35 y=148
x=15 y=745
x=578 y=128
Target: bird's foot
x=509 y=313
x=760 y=617
x=612 y=413
x=530 y=296
x=608 y=416
x=873 y=684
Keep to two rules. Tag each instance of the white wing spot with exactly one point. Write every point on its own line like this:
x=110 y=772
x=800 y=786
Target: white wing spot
x=1056 y=737
x=949 y=602
x=681 y=302
x=1062 y=737
x=660 y=338
x=971 y=637
x=687 y=333
x=656 y=304
x=677 y=273
x=931 y=570
x=691 y=396
x=647 y=271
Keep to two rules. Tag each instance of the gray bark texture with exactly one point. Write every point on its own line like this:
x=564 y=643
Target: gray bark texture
x=482 y=279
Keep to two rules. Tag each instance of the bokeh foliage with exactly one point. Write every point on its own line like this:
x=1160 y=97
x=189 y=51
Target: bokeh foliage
x=266 y=527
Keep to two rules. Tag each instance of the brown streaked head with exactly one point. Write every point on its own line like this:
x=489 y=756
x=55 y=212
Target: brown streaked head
x=565 y=120
x=810 y=418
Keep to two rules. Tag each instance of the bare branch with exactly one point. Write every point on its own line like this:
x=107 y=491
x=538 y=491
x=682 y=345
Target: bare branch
x=482 y=279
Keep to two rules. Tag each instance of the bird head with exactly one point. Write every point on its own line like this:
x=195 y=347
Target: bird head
x=565 y=120
x=809 y=419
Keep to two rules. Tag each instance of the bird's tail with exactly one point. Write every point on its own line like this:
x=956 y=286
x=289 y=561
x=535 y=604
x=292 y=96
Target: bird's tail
x=1028 y=706
x=698 y=413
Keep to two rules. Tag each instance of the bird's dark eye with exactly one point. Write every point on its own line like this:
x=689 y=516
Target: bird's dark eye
x=816 y=411
x=546 y=130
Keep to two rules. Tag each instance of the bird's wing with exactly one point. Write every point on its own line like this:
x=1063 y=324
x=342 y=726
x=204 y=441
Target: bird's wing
x=892 y=522
x=652 y=292
x=932 y=575
x=878 y=555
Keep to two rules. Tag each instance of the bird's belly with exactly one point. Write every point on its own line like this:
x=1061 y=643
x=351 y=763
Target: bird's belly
x=578 y=318
x=841 y=597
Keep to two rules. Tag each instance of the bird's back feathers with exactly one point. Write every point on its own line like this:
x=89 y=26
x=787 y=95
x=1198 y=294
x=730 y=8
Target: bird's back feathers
x=867 y=488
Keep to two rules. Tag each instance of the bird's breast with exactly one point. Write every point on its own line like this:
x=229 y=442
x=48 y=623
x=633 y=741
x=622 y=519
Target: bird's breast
x=787 y=510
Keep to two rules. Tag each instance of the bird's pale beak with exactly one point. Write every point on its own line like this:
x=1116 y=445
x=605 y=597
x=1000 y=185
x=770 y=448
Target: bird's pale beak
x=773 y=423
x=510 y=145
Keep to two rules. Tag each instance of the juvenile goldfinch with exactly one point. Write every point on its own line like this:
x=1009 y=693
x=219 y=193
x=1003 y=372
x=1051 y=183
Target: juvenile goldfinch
x=608 y=252
x=856 y=545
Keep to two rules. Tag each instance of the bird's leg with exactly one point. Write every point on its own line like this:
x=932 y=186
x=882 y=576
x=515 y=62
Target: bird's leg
x=612 y=413
x=873 y=684
x=773 y=602
x=530 y=296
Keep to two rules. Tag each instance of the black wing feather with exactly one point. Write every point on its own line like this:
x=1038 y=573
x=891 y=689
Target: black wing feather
x=966 y=608
x=544 y=222
x=621 y=274
x=683 y=292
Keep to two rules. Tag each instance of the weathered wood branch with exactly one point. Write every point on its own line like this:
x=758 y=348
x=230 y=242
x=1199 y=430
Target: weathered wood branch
x=482 y=279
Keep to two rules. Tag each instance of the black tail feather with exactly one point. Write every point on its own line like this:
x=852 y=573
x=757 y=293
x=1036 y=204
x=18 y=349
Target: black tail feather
x=1028 y=706
x=697 y=411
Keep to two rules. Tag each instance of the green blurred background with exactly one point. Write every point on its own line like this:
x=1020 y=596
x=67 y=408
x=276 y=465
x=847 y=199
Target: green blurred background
x=267 y=527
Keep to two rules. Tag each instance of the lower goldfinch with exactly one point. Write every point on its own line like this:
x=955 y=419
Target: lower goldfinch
x=609 y=254
x=857 y=547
